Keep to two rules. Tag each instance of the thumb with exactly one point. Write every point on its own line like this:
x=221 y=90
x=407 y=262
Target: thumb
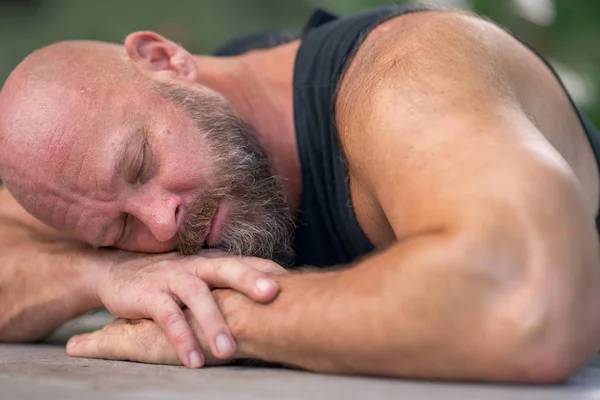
x=95 y=345
x=125 y=340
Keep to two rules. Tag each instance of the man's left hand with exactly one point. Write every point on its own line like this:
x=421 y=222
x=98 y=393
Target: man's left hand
x=140 y=340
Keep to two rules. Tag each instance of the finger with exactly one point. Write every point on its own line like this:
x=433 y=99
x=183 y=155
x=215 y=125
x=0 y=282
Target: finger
x=140 y=341
x=259 y=264
x=103 y=343
x=263 y=265
x=234 y=274
x=198 y=298
x=169 y=316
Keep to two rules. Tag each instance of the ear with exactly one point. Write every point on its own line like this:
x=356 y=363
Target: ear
x=158 y=57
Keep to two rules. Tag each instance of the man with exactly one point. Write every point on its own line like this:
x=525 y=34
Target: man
x=435 y=161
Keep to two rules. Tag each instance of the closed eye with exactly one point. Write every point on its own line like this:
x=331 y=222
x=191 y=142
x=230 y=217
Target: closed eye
x=146 y=162
x=140 y=164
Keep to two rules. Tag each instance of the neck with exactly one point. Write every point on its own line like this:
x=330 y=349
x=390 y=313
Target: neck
x=258 y=85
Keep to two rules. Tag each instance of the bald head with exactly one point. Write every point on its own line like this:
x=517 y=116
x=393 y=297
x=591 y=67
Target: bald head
x=48 y=96
x=121 y=146
x=71 y=107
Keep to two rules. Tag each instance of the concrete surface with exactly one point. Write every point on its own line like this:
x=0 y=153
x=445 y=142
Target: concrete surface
x=44 y=371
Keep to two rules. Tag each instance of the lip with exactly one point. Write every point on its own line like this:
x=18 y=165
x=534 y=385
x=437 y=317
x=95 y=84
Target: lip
x=213 y=238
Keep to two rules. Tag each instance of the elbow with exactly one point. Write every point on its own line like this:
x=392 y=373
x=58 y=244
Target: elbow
x=545 y=361
x=536 y=340
x=540 y=321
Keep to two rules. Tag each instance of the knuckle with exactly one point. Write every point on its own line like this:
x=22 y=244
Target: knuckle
x=192 y=289
x=150 y=285
x=269 y=266
x=223 y=265
x=183 y=336
x=170 y=317
x=163 y=264
x=130 y=334
x=139 y=338
x=217 y=267
x=209 y=315
x=212 y=323
x=104 y=347
x=248 y=279
x=265 y=266
x=166 y=266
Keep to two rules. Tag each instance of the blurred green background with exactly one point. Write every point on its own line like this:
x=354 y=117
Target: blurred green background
x=566 y=31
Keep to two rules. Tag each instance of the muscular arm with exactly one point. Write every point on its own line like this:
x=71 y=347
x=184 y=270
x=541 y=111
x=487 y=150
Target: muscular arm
x=422 y=311
x=495 y=272
x=45 y=279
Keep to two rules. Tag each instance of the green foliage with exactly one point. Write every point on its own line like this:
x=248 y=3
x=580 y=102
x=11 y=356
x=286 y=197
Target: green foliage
x=201 y=25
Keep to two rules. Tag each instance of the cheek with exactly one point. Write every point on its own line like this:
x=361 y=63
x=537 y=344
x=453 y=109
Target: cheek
x=187 y=163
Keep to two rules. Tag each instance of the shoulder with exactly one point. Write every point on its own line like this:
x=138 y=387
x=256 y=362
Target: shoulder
x=406 y=71
x=429 y=114
x=436 y=71
x=414 y=71
x=453 y=53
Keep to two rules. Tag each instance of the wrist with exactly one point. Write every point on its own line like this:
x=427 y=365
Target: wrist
x=95 y=275
x=101 y=263
x=283 y=330
x=238 y=311
x=253 y=325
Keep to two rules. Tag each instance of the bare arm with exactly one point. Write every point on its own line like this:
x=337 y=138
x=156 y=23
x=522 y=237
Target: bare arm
x=423 y=311
x=494 y=274
x=45 y=279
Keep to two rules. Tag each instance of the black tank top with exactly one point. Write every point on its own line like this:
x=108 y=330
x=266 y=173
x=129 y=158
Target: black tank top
x=328 y=232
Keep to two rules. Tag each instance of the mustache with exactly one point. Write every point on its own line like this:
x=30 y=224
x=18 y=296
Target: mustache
x=191 y=237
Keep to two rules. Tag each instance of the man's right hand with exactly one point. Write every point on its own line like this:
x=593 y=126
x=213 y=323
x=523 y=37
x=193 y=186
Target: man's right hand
x=157 y=289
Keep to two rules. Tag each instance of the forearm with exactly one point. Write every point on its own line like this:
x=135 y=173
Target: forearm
x=44 y=281
x=410 y=312
x=362 y=320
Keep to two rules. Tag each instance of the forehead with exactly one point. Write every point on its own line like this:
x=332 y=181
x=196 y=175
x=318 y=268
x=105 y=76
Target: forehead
x=71 y=159
x=84 y=159
x=75 y=157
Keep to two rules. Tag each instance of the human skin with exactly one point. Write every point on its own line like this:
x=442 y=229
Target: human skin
x=479 y=273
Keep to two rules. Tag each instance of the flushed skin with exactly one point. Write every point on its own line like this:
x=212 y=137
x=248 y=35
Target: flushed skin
x=487 y=256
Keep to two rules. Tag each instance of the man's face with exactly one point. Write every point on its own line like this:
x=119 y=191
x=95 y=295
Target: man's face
x=164 y=168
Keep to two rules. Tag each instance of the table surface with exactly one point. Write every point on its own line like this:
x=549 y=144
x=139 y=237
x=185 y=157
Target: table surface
x=45 y=371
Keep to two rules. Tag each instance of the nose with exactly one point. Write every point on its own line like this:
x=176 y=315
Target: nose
x=159 y=214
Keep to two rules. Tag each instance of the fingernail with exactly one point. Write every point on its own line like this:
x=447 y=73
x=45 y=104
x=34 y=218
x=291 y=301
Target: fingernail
x=224 y=345
x=72 y=343
x=264 y=285
x=195 y=361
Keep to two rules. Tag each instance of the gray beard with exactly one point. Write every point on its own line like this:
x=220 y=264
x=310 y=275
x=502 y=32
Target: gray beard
x=259 y=222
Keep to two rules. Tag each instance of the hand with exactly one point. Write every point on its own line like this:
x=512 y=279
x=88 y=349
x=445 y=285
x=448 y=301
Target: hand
x=158 y=288
x=140 y=340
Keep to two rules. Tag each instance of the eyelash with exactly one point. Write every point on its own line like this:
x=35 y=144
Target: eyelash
x=140 y=171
